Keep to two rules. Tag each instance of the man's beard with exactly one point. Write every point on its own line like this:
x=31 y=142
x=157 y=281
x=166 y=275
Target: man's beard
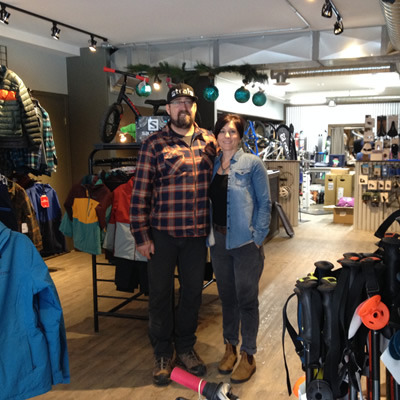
x=184 y=120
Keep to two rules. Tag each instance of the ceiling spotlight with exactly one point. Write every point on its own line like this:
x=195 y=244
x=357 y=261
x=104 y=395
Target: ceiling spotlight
x=157 y=83
x=338 y=27
x=4 y=15
x=55 y=32
x=92 y=43
x=327 y=9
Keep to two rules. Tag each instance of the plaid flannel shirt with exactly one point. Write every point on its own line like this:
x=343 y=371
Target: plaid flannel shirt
x=170 y=192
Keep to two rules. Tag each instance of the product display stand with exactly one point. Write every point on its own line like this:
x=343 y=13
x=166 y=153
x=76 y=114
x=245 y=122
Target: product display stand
x=113 y=312
x=380 y=179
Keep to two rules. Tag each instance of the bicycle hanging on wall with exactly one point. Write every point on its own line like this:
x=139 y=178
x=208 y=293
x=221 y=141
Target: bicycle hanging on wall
x=112 y=117
x=260 y=139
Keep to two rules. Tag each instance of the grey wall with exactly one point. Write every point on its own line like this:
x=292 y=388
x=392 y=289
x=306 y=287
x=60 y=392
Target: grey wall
x=88 y=99
x=36 y=66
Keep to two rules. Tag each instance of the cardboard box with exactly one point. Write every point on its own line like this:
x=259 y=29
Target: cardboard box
x=339 y=171
x=344 y=186
x=343 y=215
x=376 y=155
x=330 y=189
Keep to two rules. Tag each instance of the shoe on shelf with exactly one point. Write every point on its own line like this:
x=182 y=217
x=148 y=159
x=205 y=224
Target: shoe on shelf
x=245 y=369
x=191 y=362
x=228 y=360
x=162 y=371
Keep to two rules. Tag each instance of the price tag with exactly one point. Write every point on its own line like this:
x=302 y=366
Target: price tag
x=44 y=201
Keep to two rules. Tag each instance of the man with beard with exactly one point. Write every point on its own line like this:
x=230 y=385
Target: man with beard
x=170 y=220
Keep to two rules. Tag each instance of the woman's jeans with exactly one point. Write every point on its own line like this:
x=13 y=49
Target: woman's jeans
x=166 y=324
x=238 y=272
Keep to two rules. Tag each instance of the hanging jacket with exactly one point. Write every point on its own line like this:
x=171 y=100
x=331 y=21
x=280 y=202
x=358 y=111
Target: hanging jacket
x=119 y=239
x=48 y=212
x=33 y=344
x=39 y=160
x=25 y=214
x=85 y=217
x=19 y=124
x=7 y=214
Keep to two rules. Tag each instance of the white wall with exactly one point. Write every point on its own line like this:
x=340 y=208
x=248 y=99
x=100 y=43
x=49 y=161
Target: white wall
x=227 y=84
x=39 y=69
x=314 y=120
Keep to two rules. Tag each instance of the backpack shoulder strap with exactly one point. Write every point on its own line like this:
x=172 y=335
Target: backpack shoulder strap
x=295 y=339
x=380 y=232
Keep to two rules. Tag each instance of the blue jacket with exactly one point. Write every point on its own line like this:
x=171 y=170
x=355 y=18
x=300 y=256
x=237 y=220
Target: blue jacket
x=33 y=345
x=249 y=202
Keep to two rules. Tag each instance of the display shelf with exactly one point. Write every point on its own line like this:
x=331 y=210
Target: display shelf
x=290 y=205
x=366 y=216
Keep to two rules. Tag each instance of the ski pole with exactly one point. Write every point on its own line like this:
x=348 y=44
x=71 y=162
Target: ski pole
x=303 y=291
x=323 y=268
x=326 y=287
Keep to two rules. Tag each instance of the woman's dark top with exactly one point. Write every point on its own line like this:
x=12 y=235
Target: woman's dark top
x=219 y=197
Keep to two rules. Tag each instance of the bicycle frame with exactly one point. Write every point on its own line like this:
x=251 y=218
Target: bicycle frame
x=122 y=95
x=274 y=151
x=252 y=136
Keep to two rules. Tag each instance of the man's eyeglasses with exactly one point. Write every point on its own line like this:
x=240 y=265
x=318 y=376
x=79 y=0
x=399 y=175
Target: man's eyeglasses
x=187 y=102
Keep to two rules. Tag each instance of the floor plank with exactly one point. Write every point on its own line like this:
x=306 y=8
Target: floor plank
x=116 y=362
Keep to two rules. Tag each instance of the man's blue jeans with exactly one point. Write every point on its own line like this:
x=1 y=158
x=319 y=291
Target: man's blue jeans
x=166 y=325
x=238 y=272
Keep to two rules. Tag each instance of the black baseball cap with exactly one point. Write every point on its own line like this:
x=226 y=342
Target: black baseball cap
x=180 y=90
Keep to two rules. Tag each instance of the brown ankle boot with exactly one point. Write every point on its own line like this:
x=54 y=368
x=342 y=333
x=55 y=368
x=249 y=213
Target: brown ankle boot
x=228 y=361
x=245 y=369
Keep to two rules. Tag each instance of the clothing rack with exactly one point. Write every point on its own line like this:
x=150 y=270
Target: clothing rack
x=126 y=300
x=113 y=312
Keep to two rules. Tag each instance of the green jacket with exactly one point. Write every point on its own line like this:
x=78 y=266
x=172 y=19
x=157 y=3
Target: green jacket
x=19 y=124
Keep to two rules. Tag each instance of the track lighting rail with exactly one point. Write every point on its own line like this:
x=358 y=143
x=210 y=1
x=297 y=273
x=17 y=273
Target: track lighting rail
x=55 y=24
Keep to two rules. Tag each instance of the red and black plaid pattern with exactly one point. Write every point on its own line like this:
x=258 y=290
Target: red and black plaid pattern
x=171 y=185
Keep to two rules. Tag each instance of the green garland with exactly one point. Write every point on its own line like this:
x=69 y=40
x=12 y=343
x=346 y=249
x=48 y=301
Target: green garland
x=247 y=71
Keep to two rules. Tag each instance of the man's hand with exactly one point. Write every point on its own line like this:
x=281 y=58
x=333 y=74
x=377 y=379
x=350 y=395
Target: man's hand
x=146 y=249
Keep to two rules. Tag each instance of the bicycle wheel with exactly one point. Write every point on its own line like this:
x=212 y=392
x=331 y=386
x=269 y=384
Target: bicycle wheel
x=270 y=131
x=110 y=123
x=259 y=128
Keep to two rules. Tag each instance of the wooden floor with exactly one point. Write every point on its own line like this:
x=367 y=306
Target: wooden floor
x=116 y=362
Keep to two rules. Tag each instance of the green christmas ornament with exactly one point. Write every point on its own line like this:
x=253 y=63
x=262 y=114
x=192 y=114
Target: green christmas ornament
x=259 y=98
x=143 y=89
x=242 y=95
x=211 y=93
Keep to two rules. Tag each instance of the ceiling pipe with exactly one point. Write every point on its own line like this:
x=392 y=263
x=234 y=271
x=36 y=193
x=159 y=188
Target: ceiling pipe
x=391 y=13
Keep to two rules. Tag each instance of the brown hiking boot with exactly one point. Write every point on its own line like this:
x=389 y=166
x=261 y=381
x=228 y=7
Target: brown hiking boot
x=162 y=371
x=245 y=369
x=191 y=362
x=228 y=360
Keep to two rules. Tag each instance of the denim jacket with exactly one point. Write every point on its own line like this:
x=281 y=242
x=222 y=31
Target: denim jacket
x=249 y=202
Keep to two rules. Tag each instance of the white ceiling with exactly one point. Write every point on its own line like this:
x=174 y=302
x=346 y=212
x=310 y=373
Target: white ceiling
x=127 y=22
